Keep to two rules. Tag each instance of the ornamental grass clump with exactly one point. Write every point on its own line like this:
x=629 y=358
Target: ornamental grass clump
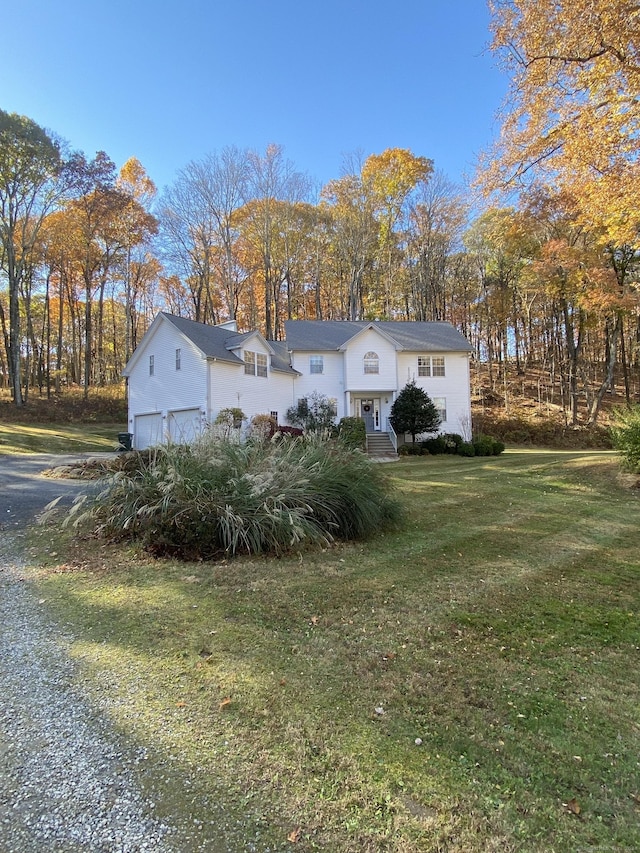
x=220 y=497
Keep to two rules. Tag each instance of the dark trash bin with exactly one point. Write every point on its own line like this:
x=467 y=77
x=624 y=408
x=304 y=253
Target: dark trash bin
x=124 y=440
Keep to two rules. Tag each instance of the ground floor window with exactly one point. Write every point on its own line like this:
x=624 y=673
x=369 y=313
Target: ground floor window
x=441 y=405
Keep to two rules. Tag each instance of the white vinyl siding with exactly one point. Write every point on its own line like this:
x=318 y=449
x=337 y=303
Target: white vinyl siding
x=454 y=388
x=357 y=379
x=330 y=382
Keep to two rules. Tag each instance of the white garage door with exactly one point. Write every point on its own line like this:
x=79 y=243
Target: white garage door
x=184 y=425
x=147 y=431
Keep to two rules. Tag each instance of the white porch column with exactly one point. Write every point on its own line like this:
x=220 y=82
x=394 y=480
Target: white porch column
x=347 y=403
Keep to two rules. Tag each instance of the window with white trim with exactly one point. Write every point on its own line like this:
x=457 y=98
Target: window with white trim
x=178 y=358
x=437 y=365
x=371 y=362
x=255 y=363
x=316 y=364
x=431 y=365
x=152 y=365
x=441 y=405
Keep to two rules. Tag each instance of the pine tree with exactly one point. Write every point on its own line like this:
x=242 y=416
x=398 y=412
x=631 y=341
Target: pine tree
x=414 y=412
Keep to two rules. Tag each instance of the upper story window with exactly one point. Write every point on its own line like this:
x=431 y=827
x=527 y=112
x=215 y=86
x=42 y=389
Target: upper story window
x=178 y=358
x=152 y=365
x=316 y=364
x=371 y=362
x=255 y=363
x=431 y=365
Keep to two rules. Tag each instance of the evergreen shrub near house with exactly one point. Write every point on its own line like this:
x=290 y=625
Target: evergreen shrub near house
x=218 y=497
x=353 y=433
x=466 y=448
x=486 y=445
x=414 y=412
x=625 y=436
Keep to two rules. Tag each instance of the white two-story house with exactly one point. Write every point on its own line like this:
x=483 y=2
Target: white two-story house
x=183 y=373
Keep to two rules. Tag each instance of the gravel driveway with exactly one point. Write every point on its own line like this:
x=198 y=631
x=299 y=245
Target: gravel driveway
x=24 y=492
x=66 y=782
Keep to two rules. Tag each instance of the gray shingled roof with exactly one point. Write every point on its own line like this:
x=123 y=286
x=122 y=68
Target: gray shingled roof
x=281 y=360
x=308 y=335
x=214 y=342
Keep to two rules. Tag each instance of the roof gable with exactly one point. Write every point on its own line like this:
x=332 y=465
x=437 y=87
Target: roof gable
x=373 y=327
x=238 y=341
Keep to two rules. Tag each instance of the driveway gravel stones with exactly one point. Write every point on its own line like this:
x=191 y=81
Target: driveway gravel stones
x=64 y=781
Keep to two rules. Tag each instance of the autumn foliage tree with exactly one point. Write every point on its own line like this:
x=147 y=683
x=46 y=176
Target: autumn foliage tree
x=573 y=114
x=30 y=163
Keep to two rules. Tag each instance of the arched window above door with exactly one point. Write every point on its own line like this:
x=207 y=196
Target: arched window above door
x=371 y=362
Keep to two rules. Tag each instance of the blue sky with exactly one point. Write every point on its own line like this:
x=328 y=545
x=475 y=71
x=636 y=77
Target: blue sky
x=168 y=82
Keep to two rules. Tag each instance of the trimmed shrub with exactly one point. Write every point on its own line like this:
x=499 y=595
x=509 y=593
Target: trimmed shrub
x=435 y=446
x=218 y=497
x=353 y=433
x=625 y=435
x=466 y=448
x=414 y=450
x=485 y=445
x=452 y=442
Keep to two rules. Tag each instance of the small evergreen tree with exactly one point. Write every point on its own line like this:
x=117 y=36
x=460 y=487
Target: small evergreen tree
x=414 y=412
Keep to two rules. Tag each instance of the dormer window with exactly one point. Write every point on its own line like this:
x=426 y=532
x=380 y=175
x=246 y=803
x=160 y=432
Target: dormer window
x=371 y=363
x=255 y=363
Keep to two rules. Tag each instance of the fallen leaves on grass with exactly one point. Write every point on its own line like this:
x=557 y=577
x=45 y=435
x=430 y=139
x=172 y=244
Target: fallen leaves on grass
x=573 y=806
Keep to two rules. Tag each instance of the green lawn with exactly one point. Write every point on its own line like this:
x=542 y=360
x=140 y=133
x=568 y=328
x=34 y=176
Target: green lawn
x=58 y=438
x=466 y=684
